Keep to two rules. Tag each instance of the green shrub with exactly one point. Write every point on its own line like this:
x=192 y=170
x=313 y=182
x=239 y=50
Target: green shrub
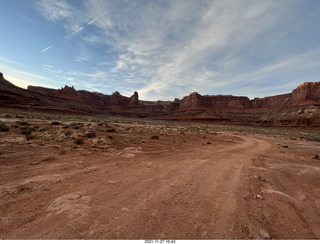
x=111 y=130
x=155 y=137
x=55 y=123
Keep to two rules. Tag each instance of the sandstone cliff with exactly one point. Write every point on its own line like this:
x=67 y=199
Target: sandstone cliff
x=95 y=100
x=301 y=106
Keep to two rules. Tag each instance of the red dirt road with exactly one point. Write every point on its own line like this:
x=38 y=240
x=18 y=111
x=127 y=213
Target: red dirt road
x=225 y=186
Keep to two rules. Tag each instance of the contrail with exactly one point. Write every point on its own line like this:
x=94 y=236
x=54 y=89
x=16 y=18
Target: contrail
x=76 y=31
x=46 y=49
x=94 y=20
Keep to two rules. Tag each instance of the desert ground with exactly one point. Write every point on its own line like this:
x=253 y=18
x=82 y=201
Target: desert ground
x=82 y=177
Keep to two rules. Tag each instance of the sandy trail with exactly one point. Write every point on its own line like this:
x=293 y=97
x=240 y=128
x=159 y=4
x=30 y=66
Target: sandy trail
x=195 y=191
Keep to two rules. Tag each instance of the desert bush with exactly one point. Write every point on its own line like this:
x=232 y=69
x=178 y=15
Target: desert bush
x=30 y=136
x=21 y=122
x=155 y=137
x=50 y=158
x=27 y=130
x=55 y=123
x=68 y=132
x=79 y=141
x=91 y=134
x=3 y=127
x=316 y=156
x=44 y=129
x=111 y=130
x=313 y=138
x=110 y=137
x=75 y=125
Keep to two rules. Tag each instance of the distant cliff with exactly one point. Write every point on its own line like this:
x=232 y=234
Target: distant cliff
x=305 y=94
x=300 y=107
x=95 y=100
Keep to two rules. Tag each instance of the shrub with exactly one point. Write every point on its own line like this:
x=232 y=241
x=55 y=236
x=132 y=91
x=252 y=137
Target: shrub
x=316 y=156
x=110 y=137
x=68 y=132
x=55 y=123
x=79 y=141
x=91 y=134
x=44 y=129
x=111 y=130
x=27 y=130
x=75 y=125
x=3 y=127
x=156 y=137
x=50 y=158
x=21 y=122
x=30 y=136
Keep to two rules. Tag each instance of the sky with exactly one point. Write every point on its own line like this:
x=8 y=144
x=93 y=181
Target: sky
x=163 y=49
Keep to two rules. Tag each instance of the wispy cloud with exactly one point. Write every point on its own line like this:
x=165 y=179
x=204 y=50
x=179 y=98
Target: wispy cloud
x=167 y=49
x=54 y=9
x=20 y=77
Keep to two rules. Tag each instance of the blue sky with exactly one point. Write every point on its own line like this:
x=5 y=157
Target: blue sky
x=162 y=48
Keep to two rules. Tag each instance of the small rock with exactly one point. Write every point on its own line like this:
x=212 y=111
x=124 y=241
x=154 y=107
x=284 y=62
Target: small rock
x=172 y=185
x=264 y=234
x=34 y=163
x=259 y=196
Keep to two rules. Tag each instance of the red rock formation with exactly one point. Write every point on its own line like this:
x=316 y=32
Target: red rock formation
x=273 y=103
x=93 y=99
x=220 y=107
x=307 y=93
x=213 y=103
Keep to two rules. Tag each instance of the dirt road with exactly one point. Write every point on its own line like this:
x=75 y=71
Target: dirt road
x=225 y=186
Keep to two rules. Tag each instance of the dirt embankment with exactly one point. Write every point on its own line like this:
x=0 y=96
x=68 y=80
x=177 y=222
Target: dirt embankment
x=180 y=186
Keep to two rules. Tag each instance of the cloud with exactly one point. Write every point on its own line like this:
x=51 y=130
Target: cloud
x=167 y=49
x=23 y=78
x=54 y=9
x=179 y=41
